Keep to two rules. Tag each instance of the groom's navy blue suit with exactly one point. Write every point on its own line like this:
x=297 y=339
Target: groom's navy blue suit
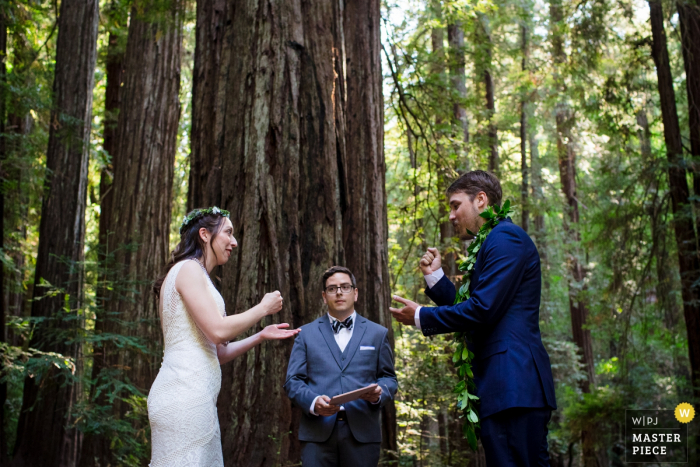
x=511 y=367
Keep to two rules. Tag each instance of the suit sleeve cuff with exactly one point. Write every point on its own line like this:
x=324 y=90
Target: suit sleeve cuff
x=434 y=278
x=313 y=404
x=416 y=318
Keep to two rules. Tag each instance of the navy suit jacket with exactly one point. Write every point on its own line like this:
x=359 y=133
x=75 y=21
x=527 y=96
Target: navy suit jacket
x=318 y=367
x=511 y=366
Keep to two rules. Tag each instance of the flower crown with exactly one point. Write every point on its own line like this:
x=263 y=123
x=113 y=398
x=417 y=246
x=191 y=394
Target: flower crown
x=187 y=220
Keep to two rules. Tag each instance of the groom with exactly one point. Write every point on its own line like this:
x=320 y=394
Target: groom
x=511 y=367
x=337 y=353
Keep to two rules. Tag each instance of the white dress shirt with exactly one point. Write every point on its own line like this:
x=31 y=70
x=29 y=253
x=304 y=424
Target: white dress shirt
x=342 y=338
x=431 y=280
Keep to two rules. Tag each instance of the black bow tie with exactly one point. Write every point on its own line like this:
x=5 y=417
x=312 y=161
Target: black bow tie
x=336 y=325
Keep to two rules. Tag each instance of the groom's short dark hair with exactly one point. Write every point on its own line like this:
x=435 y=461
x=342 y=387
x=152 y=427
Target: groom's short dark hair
x=335 y=270
x=471 y=183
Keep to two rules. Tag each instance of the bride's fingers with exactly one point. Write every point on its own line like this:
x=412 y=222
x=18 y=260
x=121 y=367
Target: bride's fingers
x=282 y=326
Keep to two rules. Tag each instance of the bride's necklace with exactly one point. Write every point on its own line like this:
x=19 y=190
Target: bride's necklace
x=203 y=267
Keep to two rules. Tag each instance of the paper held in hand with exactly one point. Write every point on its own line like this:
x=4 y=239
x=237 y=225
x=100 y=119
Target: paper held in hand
x=352 y=395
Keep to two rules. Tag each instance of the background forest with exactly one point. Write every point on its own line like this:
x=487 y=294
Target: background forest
x=330 y=130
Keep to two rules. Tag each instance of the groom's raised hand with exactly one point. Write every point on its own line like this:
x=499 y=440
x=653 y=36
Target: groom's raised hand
x=430 y=262
x=407 y=314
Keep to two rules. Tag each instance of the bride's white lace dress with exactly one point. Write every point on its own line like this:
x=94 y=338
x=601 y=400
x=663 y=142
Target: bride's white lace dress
x=182 y=401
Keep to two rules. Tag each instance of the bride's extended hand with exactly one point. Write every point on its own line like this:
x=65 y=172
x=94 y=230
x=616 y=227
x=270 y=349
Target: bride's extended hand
x=278 y=331
x=272 y=302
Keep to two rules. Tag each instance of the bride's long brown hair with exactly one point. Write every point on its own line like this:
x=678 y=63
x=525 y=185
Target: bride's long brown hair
x=191 y=244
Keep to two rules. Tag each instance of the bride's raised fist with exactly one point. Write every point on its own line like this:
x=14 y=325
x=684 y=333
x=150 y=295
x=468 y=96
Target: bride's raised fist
x=272 y=302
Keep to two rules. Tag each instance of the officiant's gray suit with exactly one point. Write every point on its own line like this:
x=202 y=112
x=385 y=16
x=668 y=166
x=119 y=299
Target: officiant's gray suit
x=318 y=367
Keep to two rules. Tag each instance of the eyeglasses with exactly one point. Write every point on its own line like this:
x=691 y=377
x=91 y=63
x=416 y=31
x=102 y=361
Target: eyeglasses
x=344 y=288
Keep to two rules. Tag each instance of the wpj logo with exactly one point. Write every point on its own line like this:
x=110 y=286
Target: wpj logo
x=655 y=436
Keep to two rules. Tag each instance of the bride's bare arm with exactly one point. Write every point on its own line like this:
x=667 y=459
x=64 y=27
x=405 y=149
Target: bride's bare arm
x=191 y=283
x=226 y=353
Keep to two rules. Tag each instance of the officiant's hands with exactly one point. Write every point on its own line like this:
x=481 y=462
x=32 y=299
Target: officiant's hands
x=431 y=261
x=407 y=314
x=278 y=331
x=373 y=396
x=322 y=407
x=272 y=302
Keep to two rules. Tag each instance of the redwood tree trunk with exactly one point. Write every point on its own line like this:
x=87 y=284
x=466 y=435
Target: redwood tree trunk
x=3 y=157
x=204 y=188
x=524 y=186
x=42 y=435
x=363 y=196
x=96 y=446
x=688 y=263
x=689 y=15
x=455 y=37
x=275 y=155
x=567 y=169
x=486 y=53
x=283 y=147
x=143 y=159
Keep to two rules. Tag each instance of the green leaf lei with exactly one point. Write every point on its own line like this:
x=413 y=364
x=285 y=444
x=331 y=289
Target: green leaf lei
x=462 y=358
x=199 y=213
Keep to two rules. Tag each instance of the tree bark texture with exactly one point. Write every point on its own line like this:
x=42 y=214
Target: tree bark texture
x=143 y=159
x=689 y=15
x=96 y=446
x=61 y=236
x=363 y=195
x=455 y=37
x=3 y=156
x=485 y=56
x=205 y=168
x=283 y=149
x=566 y=156
x=688 y=263
x=524 y=171
x=295 y=152
x=567 y=169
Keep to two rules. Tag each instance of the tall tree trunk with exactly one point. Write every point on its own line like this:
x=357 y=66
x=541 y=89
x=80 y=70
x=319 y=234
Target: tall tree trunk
x=283 y=162
x=567 y=169
x=486 y=53
x=524 y=188
x=143 y=160
x=455 y=37
x=204 y=188
x=3 y=156
x=363 y=195
x=96 y=448
x=61 y=235
x=689 y=15
x=19 y=125
x=688 y=263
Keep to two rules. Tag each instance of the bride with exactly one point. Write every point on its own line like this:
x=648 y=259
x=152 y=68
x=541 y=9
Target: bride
x=182 y=401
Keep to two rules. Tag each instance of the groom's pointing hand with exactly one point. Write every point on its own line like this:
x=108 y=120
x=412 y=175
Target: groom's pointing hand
x=431 y=261
x=405 y=315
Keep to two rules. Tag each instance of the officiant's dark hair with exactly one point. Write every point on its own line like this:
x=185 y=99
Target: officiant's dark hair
x=471 y=183
x=191 y=244
x=335 y=270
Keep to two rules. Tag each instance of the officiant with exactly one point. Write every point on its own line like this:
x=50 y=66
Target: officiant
x=340 y=352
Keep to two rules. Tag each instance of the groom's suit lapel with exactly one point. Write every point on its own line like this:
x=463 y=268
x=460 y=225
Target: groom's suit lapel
x=324 y=325
x=357 y=333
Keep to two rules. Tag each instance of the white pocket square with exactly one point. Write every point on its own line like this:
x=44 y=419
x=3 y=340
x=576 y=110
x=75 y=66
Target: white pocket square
x=366 y=347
